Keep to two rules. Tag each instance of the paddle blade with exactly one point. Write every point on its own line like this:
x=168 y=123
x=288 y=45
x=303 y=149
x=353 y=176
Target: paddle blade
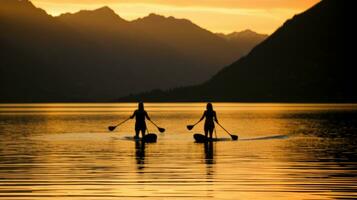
x=234 y=137
x=161 y=129
x=190 y=127
x=111 y=128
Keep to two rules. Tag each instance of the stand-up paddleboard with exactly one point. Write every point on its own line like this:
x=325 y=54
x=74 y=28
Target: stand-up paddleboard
x=149 y=138
x=200 y=138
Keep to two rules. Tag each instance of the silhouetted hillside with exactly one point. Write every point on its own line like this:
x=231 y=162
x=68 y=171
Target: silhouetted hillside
x=98 y=56
x=191 y=40
x=304 y=60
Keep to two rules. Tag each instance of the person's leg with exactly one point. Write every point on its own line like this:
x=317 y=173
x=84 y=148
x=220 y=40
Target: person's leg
x=206 y=130
x=143 y=130
x=137 y=131
x=211 y=132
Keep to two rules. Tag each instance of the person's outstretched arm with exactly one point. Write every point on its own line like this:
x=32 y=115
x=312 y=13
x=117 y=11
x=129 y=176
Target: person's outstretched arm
x=203 y=116
x=132 y=116
x=147 y=116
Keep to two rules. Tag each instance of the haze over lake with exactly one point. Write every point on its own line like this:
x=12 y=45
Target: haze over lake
x=284 y=151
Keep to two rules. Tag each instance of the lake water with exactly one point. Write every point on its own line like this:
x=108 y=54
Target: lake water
x=284 y=151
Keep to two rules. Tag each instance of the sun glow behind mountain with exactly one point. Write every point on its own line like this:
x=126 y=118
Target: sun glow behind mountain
x=263 y=16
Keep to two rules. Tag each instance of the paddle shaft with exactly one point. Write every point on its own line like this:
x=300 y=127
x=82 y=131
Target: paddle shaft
x=223 y=128
x=154 y=124
x=122 y=122
x=197 y=123
x=159 y=128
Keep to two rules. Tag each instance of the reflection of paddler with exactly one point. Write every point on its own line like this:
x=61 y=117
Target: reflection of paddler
x=140 y=125
x=140 y=153
x=209 y=157
x=208 y=150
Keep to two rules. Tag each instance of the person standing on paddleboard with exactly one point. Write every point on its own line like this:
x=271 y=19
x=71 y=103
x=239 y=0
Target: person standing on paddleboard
x=211 y=117
x=140 y=125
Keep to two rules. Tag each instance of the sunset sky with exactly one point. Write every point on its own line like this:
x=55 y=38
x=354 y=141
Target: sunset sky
x=263 y=16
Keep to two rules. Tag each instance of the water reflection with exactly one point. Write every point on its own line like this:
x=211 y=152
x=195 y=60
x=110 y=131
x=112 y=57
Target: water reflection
x=323 y=166
x=209 y=153
x=322 y=155
x=140 y=154
x=209 y=157
x=286 y=152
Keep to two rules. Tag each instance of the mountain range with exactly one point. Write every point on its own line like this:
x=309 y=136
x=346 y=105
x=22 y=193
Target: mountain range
x=305 y=60
x=97 y=55
x=245 y=40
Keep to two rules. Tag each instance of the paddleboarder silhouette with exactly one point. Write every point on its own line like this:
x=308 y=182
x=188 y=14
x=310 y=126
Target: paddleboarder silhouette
x=140 y=115
x=211 y=117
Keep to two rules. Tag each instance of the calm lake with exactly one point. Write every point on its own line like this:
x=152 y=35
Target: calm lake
x=284 y=151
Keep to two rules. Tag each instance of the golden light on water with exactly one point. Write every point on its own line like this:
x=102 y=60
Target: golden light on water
x=263 y=16
x=64 y=151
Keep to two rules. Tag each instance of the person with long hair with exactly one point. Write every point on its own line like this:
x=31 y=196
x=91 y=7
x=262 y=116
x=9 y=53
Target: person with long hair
x=211 y=117
x=140 y=115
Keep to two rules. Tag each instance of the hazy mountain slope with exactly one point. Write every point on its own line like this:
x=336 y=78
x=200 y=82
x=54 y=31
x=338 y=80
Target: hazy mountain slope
x=98 y=56
x=304 y=60
x=244 y=40
x=190 y=39
x=51 y=59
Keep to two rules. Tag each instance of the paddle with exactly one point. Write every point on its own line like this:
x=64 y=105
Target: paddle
x=112 y=128
x=234 y=137
x=190 y=127
x=159 y=128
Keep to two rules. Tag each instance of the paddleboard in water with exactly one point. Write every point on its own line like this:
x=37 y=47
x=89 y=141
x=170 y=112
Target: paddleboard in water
x=150 y=138
x=200 y=138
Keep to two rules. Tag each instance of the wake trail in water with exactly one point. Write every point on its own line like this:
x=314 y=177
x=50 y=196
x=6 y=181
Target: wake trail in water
x=266 y=138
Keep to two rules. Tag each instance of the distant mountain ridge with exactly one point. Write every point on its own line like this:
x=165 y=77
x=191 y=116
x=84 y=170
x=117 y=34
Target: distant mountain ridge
x=189 y=39
x=245 y=39
x=98 y=56
x=305 y=60
x=101 y=16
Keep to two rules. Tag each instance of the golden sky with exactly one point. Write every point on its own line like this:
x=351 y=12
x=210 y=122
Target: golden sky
x=263 y=16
